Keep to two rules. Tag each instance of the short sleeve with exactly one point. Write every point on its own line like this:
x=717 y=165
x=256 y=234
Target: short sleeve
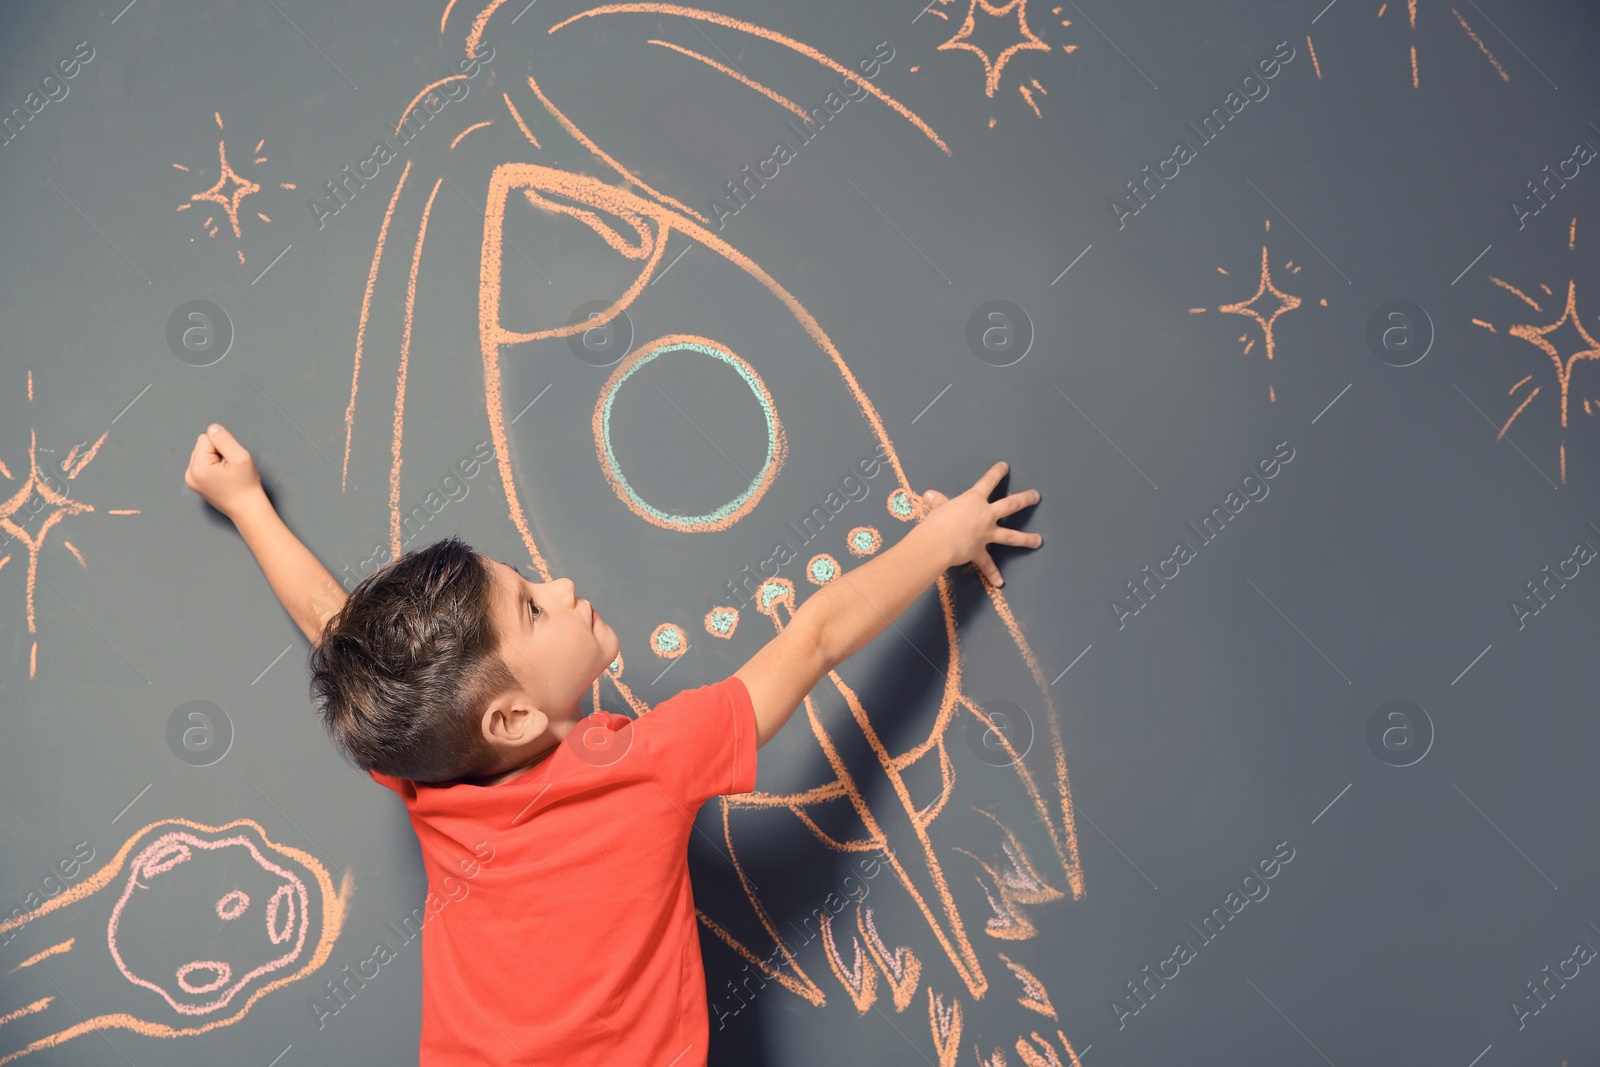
x=702 y=742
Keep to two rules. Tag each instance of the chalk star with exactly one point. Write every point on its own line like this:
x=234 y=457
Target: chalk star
x=1244 y=307
x=62 y=507
x=243 y=187
x=992 y=68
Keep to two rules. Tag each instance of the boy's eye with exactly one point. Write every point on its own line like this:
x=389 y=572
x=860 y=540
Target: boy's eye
x=533 y=610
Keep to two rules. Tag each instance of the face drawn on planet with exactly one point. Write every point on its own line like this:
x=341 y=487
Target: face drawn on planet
x=199 y=921
x=583 y=461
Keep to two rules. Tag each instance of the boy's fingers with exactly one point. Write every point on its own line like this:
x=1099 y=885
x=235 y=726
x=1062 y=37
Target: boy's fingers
x=1007 y=536
x=202 y=454
x=225 y=443
x=991 y=478
x=1016 y=502
x=986 y=565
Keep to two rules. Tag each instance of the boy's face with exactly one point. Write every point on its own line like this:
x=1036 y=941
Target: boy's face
x=552 y=640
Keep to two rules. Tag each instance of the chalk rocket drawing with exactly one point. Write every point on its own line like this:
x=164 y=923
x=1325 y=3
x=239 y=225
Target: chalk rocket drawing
x=195 y=957
x=1265 y=305
x=229 y=192
x=812 y=405
x=1564 y=342
x=35 y=496
x=1411 y=22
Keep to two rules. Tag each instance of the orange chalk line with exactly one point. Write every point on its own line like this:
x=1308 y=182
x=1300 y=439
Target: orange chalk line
x=218 y=116
x=65 y=505
x=1382 y=9
x=860 y=979
x=1023 y=89
x=492 y=334
x=1516 y=292
x=945 y=1025
x=808 y=987
x=124 y=511
x=334 y=905
x=1035 y=997
x=1514 y=388
x=53 y=950
x=1313 y=50
x=479 y=21
x=1411 y=9
x=1572 y=233
x=1073 y=861
x=37 y=1006
x=1413 y=63
x=463 y=133
x=1030 y=42
x=1287 y=303
x=1517 y=412
x=901 y=967
x=180 y=166
x=521 y=125
x=1535 y=335
x=736 y=76
x=579 y=136
x=400 y=384
x=361 y=329
x=962 y=954
x=446 y=16
x=426 y=90
x=73 y=549
x=757 y=31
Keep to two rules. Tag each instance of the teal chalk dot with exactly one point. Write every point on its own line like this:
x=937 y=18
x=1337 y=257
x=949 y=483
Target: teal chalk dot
x=823 y=570
x=669 y=640
x=722 y=621
x=770 y=592
x=900 y=504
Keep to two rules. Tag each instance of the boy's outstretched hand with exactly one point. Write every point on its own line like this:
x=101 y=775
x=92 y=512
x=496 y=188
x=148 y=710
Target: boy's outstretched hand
x=222 y=471
x=971 y=521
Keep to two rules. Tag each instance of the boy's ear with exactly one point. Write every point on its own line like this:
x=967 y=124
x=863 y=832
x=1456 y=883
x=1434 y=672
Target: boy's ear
x=511 y=724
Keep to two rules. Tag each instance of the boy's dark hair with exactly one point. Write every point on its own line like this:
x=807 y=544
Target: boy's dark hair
x=406 y=666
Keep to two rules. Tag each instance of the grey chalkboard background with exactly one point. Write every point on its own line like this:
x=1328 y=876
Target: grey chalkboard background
x=1443 y=858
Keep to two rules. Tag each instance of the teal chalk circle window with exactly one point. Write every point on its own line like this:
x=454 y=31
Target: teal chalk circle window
x=733 y=510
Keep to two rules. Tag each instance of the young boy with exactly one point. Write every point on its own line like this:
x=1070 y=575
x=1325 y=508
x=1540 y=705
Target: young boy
x=570 y=934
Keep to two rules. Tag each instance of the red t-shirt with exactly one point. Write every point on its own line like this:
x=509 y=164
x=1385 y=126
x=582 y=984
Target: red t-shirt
x=560 y=925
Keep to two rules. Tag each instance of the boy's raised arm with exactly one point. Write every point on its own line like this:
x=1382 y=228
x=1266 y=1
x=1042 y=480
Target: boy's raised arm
x=221 y=470
x=844 y=615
